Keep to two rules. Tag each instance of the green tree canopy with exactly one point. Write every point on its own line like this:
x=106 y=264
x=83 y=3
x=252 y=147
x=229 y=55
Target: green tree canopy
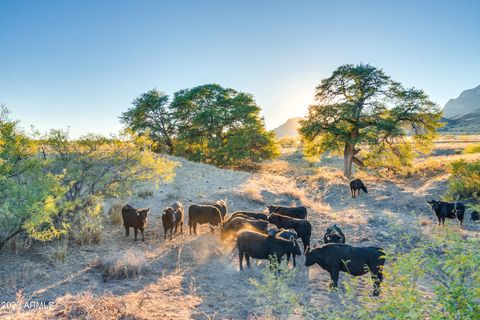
x=151 y=114
x=207 y=123
x=360 y=106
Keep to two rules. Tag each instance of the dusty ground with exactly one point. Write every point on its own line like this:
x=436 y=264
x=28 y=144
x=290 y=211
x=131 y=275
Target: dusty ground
x=197 y=277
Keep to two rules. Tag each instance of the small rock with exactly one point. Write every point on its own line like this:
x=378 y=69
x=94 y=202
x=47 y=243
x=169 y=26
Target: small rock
x=364 y=239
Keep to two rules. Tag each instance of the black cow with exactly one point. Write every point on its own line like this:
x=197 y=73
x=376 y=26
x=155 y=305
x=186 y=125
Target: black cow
x=475 y=216
x=136 y=219
x=293 y=212
x=220 y=205
x=448 y=210
x=253 y=215
x=233 y=226
x=260 y=246
x=334 y=235
x=172 y=217
x=355 y=186
x=201 y=214
x=301 y=226
x=357 y=261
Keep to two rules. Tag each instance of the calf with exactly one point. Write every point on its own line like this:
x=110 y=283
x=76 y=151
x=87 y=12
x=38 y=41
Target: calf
x=253 y=215
x=448 y=210
x=301 y=226
x=172 y=217
x=293 y=212
x=260 y=246
x=201 y=214
x=334 y=235
x=474 y=216
x=355 y=186
x=233 y=226
x=134 y=218
x=357 y=261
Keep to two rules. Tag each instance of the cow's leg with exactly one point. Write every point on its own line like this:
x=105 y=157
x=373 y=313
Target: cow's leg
x=135 y=230
x=175 y=229
x=171 y=231
x=294 y=262
x=240 y=259
x=334 y=274
x=165 y=230
x=288 y=258
x=181 y=227
x=190 y=227
x=247 y=258
x=351 y=193
x=127 y=231
x=195 y=228
x=143 y=234
x=439 y=220
x=377 y=281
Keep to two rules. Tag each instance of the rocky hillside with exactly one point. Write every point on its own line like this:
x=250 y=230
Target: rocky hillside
x=467 y=102
x=289 y=128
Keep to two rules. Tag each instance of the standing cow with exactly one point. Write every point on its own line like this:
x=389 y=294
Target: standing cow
x=201 y=214
x=455 y=210
x=293 y=212
x=172 y=217
x=355 y=186
x=136 y=219
x=260 y=246
x=357 y=261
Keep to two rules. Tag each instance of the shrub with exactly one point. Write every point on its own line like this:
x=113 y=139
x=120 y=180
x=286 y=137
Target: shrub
x=274 y=294
x=472 y=148
x=115 y=212
x=288 y=142
x=464 y=180
x=87 y=224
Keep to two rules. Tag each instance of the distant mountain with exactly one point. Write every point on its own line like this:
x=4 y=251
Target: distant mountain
x=289 y=128
x=467 y=102
x=462 y=115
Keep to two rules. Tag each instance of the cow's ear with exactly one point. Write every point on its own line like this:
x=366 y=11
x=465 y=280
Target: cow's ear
x=148 y=210
x=430 y=201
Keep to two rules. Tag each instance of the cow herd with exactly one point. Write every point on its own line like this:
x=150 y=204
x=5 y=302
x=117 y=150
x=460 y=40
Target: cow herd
x=275 y=234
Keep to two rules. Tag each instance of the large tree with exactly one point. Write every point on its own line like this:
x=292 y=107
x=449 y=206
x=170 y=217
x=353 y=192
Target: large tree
x=220 y=126
x=359 y=105
x=150 y=113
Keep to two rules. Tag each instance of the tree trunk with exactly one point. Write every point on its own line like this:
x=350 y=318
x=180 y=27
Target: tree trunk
x=13 y=234
x=348 y=155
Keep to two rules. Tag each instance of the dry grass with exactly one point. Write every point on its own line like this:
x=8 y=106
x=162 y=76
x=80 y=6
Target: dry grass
x=115 y=212
x=123 y=265
x=58 y=252
x=251 y=193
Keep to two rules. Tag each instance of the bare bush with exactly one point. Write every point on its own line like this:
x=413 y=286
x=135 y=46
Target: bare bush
x=123 y=265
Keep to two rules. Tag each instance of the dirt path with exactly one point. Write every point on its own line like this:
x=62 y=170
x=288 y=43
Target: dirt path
x=196 y=277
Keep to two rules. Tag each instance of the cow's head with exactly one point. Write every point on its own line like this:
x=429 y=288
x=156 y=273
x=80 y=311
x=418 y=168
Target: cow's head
x=309 y=259
x=169 y=213
x=142 y=214
x=434 y=204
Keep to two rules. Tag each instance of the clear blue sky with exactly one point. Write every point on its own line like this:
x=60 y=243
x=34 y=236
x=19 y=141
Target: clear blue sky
x=81 y=63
